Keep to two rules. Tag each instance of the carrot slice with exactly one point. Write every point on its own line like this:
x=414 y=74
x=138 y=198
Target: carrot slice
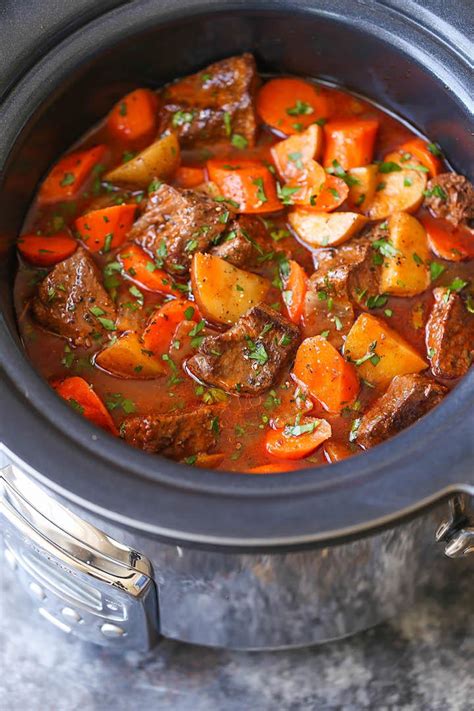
x=189 y=176
x=106 y=229
x=133 y=118
x=139 y=267
x=298 y=440
x=330 y=379
x=159 y=333
x=45 y=251
x=350 y=142
x=418 y=148
x=332 y=194
x=448 y=241
x=272 y=468
x=291 y=154
x=290 y=105
x=80 y=395
x=248 y=185
x=336 y=451
x=69 y=174
x=295 y=291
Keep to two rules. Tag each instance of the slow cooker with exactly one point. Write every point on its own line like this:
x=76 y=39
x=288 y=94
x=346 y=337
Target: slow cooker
x=119 y=547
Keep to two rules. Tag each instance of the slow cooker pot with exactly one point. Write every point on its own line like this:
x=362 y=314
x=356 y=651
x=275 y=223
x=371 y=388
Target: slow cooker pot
x=120 y=547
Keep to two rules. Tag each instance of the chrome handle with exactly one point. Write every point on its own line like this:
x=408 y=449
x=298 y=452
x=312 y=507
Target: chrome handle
x=456 y=532
x=83 y=581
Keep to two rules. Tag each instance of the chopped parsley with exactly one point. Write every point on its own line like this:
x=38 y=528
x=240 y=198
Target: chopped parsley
x=370 y=355
x=435 y=150
x=239 y=141
x=436 y=269
x=456 y=286
x=389 y=167
x=68 y=179
x=284 y=194
x=180 y=118
x=385 y=247
x=297 y=430
x=337 y=169
x=301 y=108
x=261 y=197
x=354 y=429
x=227 y=123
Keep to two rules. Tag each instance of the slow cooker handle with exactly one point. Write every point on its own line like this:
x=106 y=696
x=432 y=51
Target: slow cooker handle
x=456 y=531
x=83 y=581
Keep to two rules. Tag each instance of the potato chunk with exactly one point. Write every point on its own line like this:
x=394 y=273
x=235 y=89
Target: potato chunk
x=128 y=358
x=397 y=190
x=160 y=160
x=324 y=229
x=405 y=272
x=223 y=292
x=379 y=352
x=362 y=192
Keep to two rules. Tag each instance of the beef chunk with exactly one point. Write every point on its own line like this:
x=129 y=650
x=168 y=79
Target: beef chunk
x=176 y=436
x=186 y=221
x=244 y=244
x=408 y=397
x=451 y=196
x=72 y=302
x=248 y=357
x=344 y=275
x=449 y=335
x=213 y=104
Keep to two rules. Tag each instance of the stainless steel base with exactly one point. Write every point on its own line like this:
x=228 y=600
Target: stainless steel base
x=208 y=597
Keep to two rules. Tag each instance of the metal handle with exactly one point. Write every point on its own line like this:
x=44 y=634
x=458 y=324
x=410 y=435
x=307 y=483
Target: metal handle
x=457 y=532
x=86 y=583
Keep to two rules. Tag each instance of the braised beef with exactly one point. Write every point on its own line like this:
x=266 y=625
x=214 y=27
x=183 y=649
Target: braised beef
x=451 y=196
x=176 y=435
x=449 y=335
x=344 y=276
x=176 y=223
x=72 y=302
x=244 y=244
x=249 y=356
x=408 y=398
x=216 y=103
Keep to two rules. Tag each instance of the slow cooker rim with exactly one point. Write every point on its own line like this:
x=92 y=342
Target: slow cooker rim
x=243 y=486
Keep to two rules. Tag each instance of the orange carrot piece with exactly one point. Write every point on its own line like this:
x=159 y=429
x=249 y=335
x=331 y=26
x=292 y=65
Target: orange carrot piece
x=134 y=117
x=448 y=241
x=418 y=148
x=350 y=142
x=290 y=105
x=330 y=379
x=139 y=267
x=80 y=395
x=159 y=333
x=106 y=229
x=291 y=154
x=336 y=451
x=188 y=176
x=299 y=440
x=272 y=468
x=332 y=194
x=69 y=174
x=295 y=291
x=45 y=251
x=247 y=184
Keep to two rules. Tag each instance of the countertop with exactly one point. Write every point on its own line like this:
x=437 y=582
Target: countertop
x=421 y=661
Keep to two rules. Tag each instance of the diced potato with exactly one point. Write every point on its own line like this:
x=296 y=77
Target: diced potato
x=361 y=194
x=325 y=229
x=224 y=293
x=379 y=352
x=405 y=273
x=291 y=154
x=159 y=160
x=397 y=191
x=128 y=358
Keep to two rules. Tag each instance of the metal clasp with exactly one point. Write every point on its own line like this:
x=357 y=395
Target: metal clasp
x=83 y=581
x=457 y=532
